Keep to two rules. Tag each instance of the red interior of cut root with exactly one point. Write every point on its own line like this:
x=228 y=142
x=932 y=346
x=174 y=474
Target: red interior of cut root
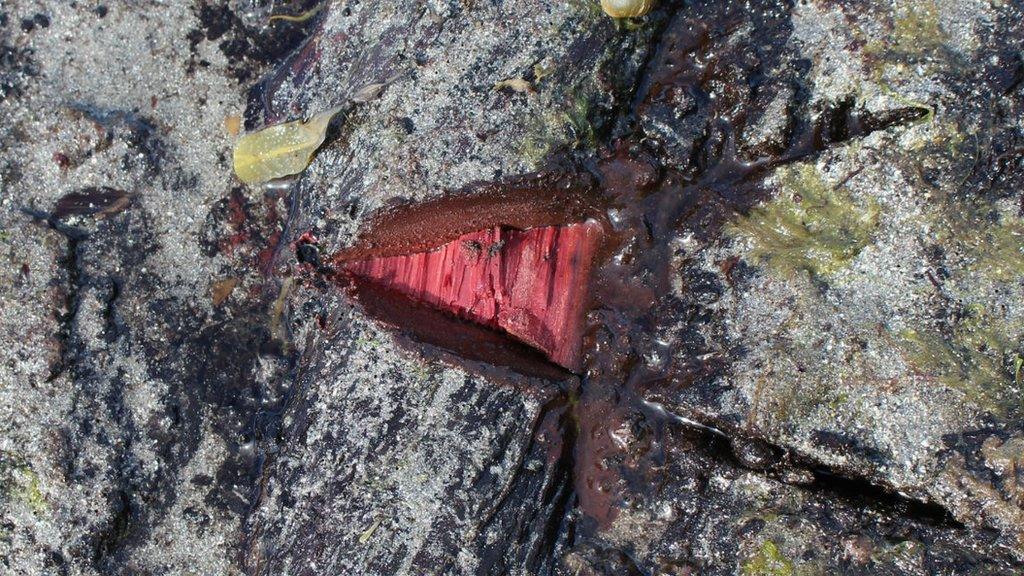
x=530 y=284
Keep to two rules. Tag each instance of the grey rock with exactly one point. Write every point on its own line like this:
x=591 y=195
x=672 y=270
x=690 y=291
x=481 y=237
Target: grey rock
x=803 y=353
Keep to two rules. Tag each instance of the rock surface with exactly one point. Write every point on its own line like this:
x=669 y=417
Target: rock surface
x=804 y=339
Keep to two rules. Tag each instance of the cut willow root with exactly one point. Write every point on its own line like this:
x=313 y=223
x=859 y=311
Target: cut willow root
x=531 y=284
x=280 y=150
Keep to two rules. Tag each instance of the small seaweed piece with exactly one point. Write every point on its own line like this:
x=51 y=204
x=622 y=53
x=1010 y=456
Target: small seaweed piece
x=298 y=17
x=542 y=70
x=232 y=124
x=365 y=535
x=515 y=84
x=221 y=290
x=369 y=92
x=99 y=201
x=280 y=150
x=768 y=561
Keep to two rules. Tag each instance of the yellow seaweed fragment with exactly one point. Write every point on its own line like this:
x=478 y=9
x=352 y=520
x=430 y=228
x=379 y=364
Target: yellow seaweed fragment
x=516 y=85
x=233 y=124
x=280 y=150
x=365 y=536
x=296 y=18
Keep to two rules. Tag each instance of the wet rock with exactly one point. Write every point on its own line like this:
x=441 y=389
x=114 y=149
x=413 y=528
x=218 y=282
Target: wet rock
x=412 y=479
x=739 y=521
x=801 y=344
x=878 y=360
x=123 y=388
x=753 y=454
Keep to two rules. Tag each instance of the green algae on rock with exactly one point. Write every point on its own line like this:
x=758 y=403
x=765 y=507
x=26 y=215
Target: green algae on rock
x=916 y=28
x=978 y=356
x=998 y=249
x=768 y=561
x=20 y=483
x=566 y=125
x=812 y=226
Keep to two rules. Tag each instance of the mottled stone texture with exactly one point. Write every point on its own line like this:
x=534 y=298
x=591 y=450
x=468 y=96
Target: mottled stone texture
x=802 y=350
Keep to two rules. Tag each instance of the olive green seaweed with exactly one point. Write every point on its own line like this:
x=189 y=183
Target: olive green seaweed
x=768 y=561
x=979 y=356
x=297 y=18
x=916 y=28
x=20 y=483
x=811 y=226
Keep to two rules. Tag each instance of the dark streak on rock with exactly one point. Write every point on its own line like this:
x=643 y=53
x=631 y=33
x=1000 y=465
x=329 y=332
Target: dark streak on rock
x=72 y=265
x=140 y=133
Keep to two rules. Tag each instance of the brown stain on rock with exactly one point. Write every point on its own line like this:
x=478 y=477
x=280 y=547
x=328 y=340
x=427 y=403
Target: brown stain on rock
x=221 y=290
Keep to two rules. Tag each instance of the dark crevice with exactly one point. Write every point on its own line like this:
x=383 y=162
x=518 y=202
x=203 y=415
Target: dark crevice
x=489 y=514
x=558 y=530
x=113 y=325
x=126 y=526
x=535 y=534
x=862 y=492
x=559 y=497
x=71 y=302
x=471 y=341
x=109 y=541
x=72 y=264
x=845 y=485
